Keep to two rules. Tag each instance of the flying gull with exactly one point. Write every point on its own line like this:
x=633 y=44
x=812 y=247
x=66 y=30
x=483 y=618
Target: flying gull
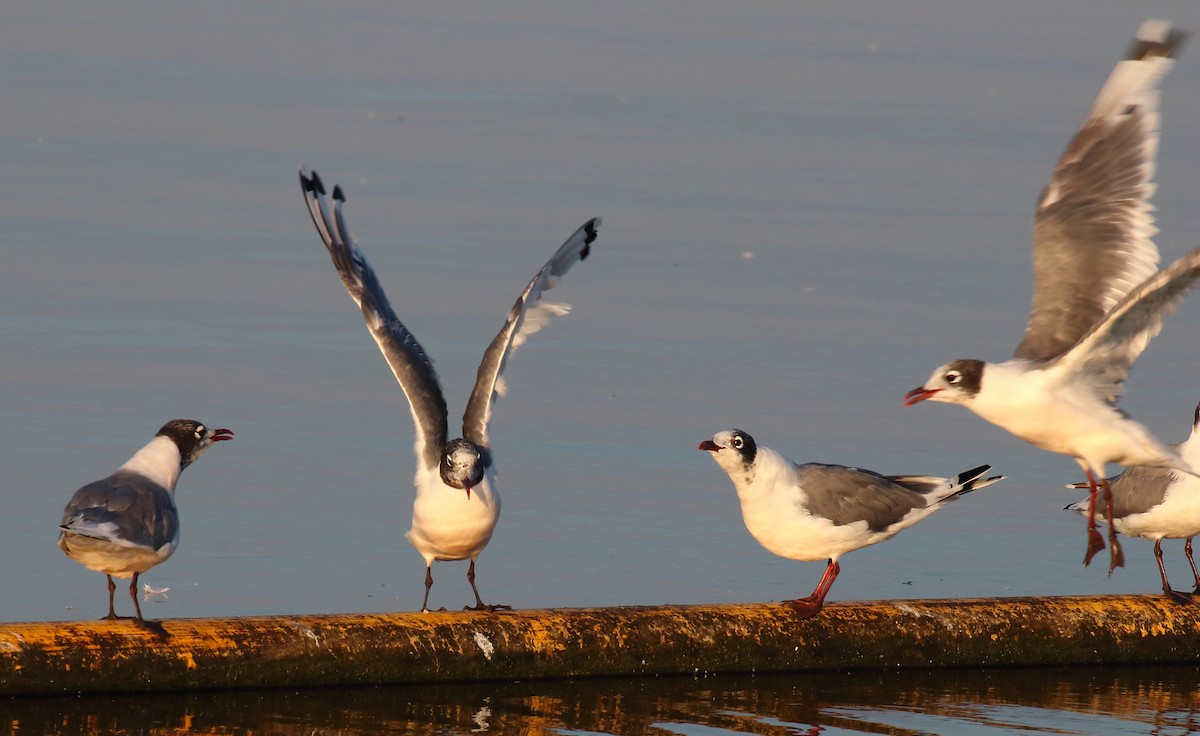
x=1097 y=297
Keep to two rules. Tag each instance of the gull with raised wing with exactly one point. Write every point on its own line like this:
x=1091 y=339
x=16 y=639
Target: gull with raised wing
x=127 y=523
x=818 y=511
x=1158 y=504
x=1097 y=297
x=457 y=503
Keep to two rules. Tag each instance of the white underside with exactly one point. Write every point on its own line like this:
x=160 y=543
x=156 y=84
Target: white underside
x=1177 y=517
x=798 y=535
x=773 y=512
x=1047 y=411
x=446 y=525
x=118 y=560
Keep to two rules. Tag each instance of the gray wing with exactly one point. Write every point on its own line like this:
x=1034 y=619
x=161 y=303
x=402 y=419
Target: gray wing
x=409 y=363
x=848 y=495
x=528 y=315
x=125 y=508
x=1135 y=491
x=1094 y=223
x=1105 y=354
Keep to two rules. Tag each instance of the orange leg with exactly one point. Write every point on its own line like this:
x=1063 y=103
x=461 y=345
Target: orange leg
x=811 y=605
x=1095 y=541
x=1116 y=554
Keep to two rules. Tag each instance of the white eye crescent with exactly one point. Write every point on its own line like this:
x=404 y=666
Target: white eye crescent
x=736 y=442
x=953 y=377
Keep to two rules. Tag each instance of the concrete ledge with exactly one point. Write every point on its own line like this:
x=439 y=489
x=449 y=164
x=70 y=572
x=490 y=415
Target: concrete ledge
x=295 y=651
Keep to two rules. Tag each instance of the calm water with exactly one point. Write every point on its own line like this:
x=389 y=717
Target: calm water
x=1082 y=701
x=806 y=209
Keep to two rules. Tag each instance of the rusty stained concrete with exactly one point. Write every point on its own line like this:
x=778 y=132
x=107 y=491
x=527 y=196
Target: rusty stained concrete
x=294 y=651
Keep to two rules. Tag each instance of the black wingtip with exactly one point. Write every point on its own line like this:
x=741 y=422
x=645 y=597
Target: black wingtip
x=972 y=474
x=337 y=193
x=589 y=237
x=318 y=185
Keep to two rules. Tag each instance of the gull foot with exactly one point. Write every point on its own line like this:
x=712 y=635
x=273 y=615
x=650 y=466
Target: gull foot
x=806 y=607
x=1178 y=596
x=1117 y=555
x=1095 y=544
x=492 y=607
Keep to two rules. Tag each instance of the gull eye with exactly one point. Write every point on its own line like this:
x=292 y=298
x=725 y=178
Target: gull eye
x=736 y=442
x=953 y=377
x=200 y=432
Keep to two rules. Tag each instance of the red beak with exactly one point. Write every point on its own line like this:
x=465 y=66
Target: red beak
x=920 y=393
x=218 y=435
x=709 y=446
x=468 y=492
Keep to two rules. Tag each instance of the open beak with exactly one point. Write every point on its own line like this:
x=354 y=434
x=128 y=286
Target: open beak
x=710 y=446
x=217 y=435
x=920 y=393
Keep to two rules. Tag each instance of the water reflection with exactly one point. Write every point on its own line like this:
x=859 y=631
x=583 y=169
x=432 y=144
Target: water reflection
x=1081 y=700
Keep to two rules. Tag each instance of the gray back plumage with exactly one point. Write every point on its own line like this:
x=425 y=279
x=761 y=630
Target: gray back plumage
x=410 y=364
x=848 y=495
x=1140 y=489
x=141 y=511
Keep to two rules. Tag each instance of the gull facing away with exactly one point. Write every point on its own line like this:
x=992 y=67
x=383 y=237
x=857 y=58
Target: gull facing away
x=817 y=511
x=127 y=523
x=1158 y=504
x=1097 y=297
x=457 y=503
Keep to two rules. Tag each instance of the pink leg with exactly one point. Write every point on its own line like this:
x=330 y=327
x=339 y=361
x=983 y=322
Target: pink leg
x=112 y=588
x=479 y=604
x=811 y=605
x=151 y=626
x=133 y=594
x=1187 y=550
x=428 y=585
x=1162 y=571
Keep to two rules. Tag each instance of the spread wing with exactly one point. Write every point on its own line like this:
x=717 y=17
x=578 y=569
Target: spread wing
x=1106 y=353
x=1094 y=223
x=528 y=315
x=411 y=366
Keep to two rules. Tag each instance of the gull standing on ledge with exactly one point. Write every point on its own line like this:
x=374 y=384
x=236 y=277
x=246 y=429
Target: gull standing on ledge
x=457 y=502
x=127 y=523
x=1156 y=503
x=1097 y=298
x=817 y=511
